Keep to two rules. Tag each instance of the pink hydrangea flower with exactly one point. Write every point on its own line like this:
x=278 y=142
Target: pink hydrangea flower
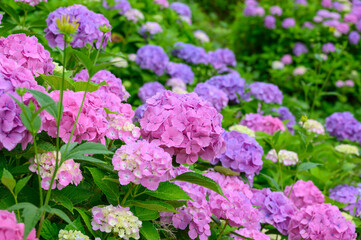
x=163 y=3
x=68 y=172
x=267 y=124
x=185 y=125
x=31 y=2
x=143 y=163
x=303 y=194
x=11 y=229
x=27 y=52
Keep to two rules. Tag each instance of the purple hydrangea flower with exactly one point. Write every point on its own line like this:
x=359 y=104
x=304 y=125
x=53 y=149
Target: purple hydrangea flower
x=182 y=9
x=288 y=22
x=267 y=92
x=139 y=112
x=243 y=154
x=1 y=17
x=299 y=49
x=348 y=194
x=180 y=71
x=153 y=58
x=285 y=114
x=343 y=125
x=354 y=37
x=286 y=59
x=212 y=94
x=276 y=10
x=150 y=89
x=221 y=58
x=270 y=22
x=328 y=47
x=87 y=32
x=231 y=84
x=150 y=29
x=190 y=53
x=301 y=2
x=122 y=5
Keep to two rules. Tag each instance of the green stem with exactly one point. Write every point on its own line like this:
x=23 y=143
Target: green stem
x=224 y=228
x=38 y=167
x=127 y=194
x=25 y=15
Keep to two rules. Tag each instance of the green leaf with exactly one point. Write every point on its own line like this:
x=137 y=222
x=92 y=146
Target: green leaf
x=169 y=191
x=55 y=81
x=110 y=189
x=88 y=159
x=146 y=214
x=152 y=205
x=10 y=11
x=86 y=220
x=201 y=180
x=63 y=201
x=99 y=67
x=49 y=231
x=8 y=180
x=86 y=148
x=79 y=225
x=84 y=59
x=306 y=166
x=275 y=137
x=274 y=182
x=336 y=203
x=60 y=214
x=21 y=184
x=26 y=122
x=47 y=102
x=70 y=147
x=81 y=86
x=149 y=232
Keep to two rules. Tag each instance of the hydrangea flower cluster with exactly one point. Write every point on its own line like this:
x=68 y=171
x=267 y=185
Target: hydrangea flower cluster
x=68 y=172
x=143 y=163
x=313 y=126
x=123 y=6
x=320 y=221
x=243 y=154
x=11 y=229
x=28 y=53
x=139 y=112
x=343 y=125
x=243 y=129
x=213 y=95
x=177 y=85
x=267 y=92
x=134 y=15
x=181 y=71
x=201 y=36
x=299 y=71
x=253 y=234
x=31 y=2
x=87 y=31
x=186 y=125
x=304 y=194
x=275 y=208
x=299 y=49
x=118 y=220
x=153 y=58
x=190 y=53
x=347 y=149
x=231 y=84
x=288 y=23
x=72 y=235
x=150 y=89
x=114 y=84
x=287 y=157
x=150 y=29
x=221 y=58
x=267 y=124
x=348 y=194
x=286 y=59
x=163 y=3
x=253 y=9
x=328 y=47
x=270 y=22
x=286 y=115
x=182 y=9
x=238 y=208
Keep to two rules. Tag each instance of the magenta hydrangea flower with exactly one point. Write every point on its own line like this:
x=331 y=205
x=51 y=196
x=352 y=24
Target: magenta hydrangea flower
x=87 y=32
x=182 y=9
x=285 y=114
x=68 y=172
x=232 y=84
x=288 y=22
x=143 y=163
x=238 y=208
x=270 y=22
x=122 y=6
x=343 y=125
x=180 y=71
x=150 y=29
x=213 y=95
x=27 y=52
x=31 y=2
x=150 y=89
x=190 y=53
x=267 y=92
x=222 y=58
x=11 y=229
x=275 y=208
x=303 y=194
x=153 y=58
x=267 y=124
x=299 y=49
x=114 y=84
x=286 y=59
x=276 y=10
x=320 y=222
x=348 y=194
x=243 y=154
x=253 y=234
x=185 y=125
x=328 y=47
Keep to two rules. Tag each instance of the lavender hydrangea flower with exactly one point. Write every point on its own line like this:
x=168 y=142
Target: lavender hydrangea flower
x=328 y=47
x=270 y=22
x=288 y=22
x=31 y=2
x=1 y=17
x=354 y=38
x=134 y=15
x=243 y=154
x=267 y=92
x=299 y=49
x=190 y=53
x=122 y=5
x=276 y=10
x=213 y=95
x=201 y=36
x=150 y=29
x=221 y=58
x=348 y=194
x=87 y=32
x=149 y=90
x=153 y=58
x=231 y=84
x=182 y=9
x=181 y=71
x=285 y=114
x=139 y=112
x=343 y=125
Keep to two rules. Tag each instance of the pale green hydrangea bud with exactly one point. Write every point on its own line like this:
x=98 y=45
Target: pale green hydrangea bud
x=72 y=235
x=287 y=157
x=347 y=149
x=313 y=126
x=243 y=129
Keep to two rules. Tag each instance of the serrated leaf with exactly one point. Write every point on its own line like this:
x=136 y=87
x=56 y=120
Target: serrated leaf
x=63 y=200
x=10 y=11
x=152 y=205
x=49 y=231
x=81 y=86
x=55 y=82
x=47 y=102
x=169 y=191
x=60 y=214
x=146 y=214
x=306 y=166
x=79 y=225
x=274 y=182
x=8 y=180
x=149 y=232
x=21 y=184
x=86 y=220
x=86 y=148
